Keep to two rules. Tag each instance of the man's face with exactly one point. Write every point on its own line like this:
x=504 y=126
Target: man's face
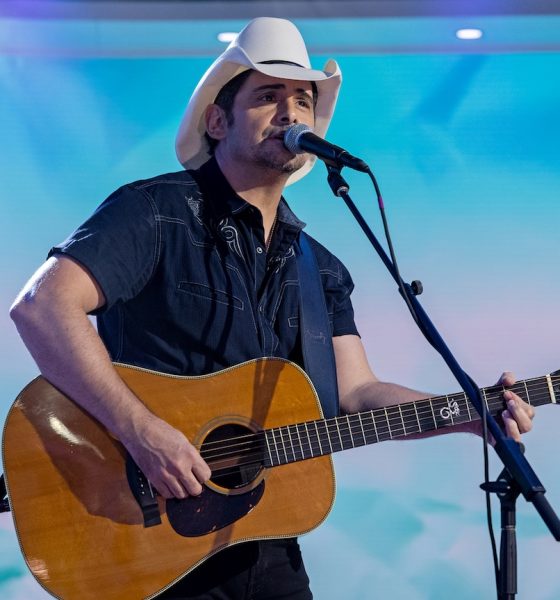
x=263 y=109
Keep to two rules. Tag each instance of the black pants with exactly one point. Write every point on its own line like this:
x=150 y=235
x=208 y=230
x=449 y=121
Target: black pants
x=267 y=570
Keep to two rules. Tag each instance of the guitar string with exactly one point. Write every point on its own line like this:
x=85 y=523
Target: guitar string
x=392 y=426
x=393 y=417
x=381 y=433
x=421 y=411
x=492 y=394
x=316 y=448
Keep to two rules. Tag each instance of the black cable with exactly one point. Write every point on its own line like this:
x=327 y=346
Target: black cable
x=400 y=283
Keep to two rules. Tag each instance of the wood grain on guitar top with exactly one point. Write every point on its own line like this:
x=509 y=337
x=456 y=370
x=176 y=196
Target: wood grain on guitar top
x=78 y=524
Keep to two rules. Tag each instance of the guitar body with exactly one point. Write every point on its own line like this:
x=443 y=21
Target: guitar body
x=79 y=525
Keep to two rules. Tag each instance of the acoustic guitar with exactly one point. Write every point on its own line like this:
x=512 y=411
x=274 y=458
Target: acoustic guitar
x=90 y=525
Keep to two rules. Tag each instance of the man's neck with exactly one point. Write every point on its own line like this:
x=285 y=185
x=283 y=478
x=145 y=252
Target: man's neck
x=257 y=186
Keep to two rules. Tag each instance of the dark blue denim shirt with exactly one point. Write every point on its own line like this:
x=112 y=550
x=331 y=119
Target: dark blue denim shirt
x=189 y=286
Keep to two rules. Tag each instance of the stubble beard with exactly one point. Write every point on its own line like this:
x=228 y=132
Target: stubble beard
x=276 y=162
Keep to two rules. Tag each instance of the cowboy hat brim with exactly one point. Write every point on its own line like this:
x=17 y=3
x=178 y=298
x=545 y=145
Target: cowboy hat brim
x=191 y=145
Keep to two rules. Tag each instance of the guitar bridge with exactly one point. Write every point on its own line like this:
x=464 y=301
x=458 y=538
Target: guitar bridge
x=143 y=492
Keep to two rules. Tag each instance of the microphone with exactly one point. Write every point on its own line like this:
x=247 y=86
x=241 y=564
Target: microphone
x=299 y=138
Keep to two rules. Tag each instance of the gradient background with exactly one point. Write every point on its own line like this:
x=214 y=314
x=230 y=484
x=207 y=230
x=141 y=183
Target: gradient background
x=464 y=141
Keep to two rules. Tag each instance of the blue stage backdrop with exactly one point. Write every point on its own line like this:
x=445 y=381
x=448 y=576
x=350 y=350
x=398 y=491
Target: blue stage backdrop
x=465 y=147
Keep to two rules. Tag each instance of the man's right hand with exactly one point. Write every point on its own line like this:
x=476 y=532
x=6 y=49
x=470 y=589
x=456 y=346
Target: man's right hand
x=168 y=460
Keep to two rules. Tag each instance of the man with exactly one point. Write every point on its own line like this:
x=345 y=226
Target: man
x=192 y=272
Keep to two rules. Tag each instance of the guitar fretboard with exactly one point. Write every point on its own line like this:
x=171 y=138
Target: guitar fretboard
x=301 y=441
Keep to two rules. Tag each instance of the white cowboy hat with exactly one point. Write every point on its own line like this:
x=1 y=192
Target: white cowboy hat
x=271 y=46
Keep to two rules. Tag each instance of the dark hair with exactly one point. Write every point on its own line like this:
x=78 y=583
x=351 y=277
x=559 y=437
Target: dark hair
x=226 y=98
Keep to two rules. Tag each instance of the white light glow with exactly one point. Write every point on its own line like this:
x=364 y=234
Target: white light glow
x=227 y=36
x=469 y=34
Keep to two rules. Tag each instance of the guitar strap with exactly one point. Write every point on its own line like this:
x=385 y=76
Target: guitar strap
x=4 y=504
x=315 y=329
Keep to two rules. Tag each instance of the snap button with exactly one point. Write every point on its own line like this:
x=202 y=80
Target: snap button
x=259 y=250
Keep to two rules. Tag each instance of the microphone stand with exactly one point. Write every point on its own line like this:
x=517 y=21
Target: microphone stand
x=517 y=477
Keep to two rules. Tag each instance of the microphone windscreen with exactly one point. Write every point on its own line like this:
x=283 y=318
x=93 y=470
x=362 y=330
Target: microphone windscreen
x=291 y=137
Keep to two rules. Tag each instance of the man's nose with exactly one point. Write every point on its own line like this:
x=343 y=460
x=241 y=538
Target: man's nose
x=287 y=111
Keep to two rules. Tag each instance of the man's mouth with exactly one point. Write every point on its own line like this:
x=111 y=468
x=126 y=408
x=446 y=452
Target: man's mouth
x=279 y=135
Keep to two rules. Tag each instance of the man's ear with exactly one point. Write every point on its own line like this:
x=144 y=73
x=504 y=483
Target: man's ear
x=216 y=122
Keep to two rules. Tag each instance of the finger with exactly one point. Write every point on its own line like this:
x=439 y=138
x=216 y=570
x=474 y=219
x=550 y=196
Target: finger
x=191 y=485
x=520 y=411
x=202 y=471
x=169 y=486
x=163 y=490
x=507 y=379
x=510 y=425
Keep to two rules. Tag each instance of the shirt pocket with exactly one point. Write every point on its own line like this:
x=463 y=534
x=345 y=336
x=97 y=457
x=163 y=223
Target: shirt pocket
x=207 y=293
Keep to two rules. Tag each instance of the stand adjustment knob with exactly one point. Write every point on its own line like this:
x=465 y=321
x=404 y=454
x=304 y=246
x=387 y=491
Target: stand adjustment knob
x=417 y=287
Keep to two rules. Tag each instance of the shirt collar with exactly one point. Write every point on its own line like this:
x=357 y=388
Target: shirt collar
x=224 y=200
x=217 y=191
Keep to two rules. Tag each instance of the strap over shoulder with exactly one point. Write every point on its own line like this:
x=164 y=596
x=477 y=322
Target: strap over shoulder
x=315 y=330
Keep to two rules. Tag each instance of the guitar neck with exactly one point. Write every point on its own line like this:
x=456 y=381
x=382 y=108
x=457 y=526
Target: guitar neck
x=291 y=443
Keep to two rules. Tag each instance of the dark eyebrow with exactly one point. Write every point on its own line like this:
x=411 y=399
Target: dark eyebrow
x=281 y=86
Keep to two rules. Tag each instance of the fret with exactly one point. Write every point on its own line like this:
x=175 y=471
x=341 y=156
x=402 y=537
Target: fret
x=329 y=437
x=350 y=432
x=280 y=445
x=381 y=424
x=409 y=418
x=339 y=443
x=282 y=441
x=388 y=423
x=394 y=416
x=309 y=438
x=438 y=405
x=321 y=452
x=467 y=403
x=425 y=413
x=362 y=427
x=276 y=446
x=338 y=433
x=446 y=409
x=356 y=434
x=458 y=405
x=268 y=448
x=450 y=411
x=433 y=413
x=402 y=419
x=417 y=418
x=372 y=415
x=293 y=458
x=324 y=436
x=286 y=444
x=300 y=443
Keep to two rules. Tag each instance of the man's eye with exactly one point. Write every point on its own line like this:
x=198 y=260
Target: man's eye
x=304 y=103
x=267 y=97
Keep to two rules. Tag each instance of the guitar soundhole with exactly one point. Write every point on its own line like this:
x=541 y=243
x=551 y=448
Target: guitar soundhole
x=235 y=454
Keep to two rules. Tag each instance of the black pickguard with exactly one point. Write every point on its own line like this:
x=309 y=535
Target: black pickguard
x=199 y=515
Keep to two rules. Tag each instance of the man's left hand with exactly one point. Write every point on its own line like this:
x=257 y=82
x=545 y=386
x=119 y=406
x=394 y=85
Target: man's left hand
x=518 y=416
